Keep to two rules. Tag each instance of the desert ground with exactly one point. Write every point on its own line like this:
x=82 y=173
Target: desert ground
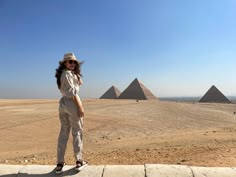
x=122 y=132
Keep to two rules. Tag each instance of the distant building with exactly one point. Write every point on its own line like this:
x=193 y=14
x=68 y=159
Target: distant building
x=138 y=91
x=111 y=93
x=213 y=95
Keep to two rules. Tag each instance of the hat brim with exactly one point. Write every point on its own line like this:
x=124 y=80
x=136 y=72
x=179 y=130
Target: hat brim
x=64 y=60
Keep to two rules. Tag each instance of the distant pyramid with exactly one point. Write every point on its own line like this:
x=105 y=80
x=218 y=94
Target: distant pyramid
x=138 y=91
x=111 y=93
x=213 y=95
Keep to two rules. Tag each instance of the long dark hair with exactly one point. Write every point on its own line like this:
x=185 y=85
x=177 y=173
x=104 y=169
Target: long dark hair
x=62 y=66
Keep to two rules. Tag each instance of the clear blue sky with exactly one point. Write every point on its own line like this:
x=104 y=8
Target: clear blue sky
x=174 y=47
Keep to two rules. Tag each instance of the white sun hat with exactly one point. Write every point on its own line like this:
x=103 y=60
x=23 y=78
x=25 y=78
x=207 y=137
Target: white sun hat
x=69 y=56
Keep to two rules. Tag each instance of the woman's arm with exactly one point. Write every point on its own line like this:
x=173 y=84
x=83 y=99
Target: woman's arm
x=67 y=86
x=70 y=91
x=80 y=81
x=79 y=105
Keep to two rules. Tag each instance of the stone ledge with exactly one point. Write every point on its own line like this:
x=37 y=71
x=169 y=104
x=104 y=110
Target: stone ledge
x=147 y=170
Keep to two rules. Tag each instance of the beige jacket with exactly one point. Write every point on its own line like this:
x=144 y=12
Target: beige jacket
x=69 y=88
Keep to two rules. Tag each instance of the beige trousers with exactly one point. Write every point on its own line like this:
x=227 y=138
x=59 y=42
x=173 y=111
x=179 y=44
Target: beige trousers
x=70 y=121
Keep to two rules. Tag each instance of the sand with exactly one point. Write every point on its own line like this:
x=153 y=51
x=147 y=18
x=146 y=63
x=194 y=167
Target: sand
x=122 y=132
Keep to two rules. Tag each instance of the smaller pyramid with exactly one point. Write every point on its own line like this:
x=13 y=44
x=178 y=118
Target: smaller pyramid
x=138 y=91
x=213 y=95
x=111 y=93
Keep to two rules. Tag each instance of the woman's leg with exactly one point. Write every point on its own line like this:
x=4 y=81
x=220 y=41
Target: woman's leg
x=77 y=133
x=63 y=136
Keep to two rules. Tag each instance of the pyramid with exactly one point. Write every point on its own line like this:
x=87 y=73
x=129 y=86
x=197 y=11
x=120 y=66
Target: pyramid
x=138 y=91
x=111 y=93
x=213 y=95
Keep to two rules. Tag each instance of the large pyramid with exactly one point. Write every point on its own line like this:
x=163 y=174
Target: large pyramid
x=138 y=91
x=213 y=95
x=111 y=93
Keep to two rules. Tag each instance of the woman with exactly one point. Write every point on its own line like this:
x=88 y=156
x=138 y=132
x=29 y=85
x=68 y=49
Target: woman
x=71 y=111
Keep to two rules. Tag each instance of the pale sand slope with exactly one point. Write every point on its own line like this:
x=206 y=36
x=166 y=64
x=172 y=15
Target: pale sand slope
x=122 y=132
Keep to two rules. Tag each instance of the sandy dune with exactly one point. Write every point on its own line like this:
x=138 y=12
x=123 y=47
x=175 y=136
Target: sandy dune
x=122 y=132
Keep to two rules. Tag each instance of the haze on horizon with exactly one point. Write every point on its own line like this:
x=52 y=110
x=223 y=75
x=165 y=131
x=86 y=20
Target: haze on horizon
x=175 y=48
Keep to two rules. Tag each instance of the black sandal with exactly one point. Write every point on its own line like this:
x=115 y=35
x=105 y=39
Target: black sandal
x=59 y=168
x=80 y=164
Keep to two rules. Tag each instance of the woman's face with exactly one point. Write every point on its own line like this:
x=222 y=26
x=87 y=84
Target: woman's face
x=70 y=64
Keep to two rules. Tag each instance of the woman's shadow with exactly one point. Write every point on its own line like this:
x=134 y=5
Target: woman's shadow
x=68 y=172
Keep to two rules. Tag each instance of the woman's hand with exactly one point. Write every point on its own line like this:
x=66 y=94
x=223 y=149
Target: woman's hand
x=79 y=105
x=81 y=111
x=80 y=81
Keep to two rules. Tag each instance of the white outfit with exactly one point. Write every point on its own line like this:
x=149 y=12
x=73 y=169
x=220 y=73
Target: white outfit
x=68 y=113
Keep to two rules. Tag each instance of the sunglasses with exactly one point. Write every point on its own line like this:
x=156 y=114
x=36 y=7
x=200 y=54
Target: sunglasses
x=72 y=62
